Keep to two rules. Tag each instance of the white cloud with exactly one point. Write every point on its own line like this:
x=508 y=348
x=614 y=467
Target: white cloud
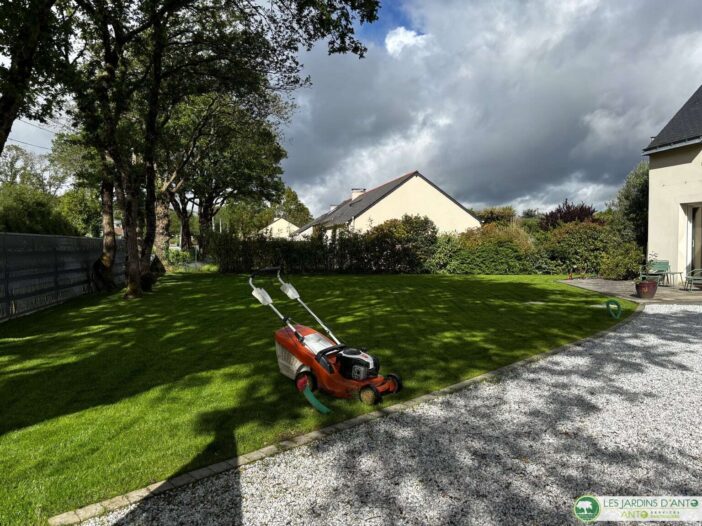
x=400 y=38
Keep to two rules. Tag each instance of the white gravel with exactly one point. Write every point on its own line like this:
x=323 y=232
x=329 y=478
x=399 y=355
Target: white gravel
x=618 y=416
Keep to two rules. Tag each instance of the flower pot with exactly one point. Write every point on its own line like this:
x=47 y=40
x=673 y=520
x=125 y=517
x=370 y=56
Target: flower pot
x=646 y=289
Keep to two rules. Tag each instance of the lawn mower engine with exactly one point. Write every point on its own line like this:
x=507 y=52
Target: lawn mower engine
x=356 y=364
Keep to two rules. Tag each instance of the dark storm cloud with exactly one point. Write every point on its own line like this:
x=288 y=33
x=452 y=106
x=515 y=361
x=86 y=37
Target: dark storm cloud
x=499 y=102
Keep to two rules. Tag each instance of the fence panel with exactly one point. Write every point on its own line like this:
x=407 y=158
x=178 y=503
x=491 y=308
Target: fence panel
x=38 y=271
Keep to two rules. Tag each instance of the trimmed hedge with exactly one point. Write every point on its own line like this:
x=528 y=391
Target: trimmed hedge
x=396 y=246
x=411 y=245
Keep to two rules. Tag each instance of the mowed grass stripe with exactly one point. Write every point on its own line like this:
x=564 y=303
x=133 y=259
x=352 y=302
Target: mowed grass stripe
x=102 y=396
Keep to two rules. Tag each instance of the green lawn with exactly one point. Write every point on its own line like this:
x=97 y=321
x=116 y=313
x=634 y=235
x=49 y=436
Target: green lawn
x=100 y=396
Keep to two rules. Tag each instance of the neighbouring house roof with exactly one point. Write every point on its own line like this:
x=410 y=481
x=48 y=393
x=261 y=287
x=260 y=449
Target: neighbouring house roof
x=349 y=209
x=683 y=129
x=277 y=220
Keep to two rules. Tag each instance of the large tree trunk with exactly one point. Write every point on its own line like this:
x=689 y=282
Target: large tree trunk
x=163 y=227
x=180 y=206
x=186 y=235
x=130 y=225
x=205 y=219
x=103 y=277
x=19 y=75
x=151 y=136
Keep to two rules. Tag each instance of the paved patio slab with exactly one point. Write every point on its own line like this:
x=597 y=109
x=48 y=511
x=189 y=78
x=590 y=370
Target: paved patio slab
x=627 y=290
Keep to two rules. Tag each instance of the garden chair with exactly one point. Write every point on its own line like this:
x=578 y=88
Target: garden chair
x=656 y=269
x=693 y=278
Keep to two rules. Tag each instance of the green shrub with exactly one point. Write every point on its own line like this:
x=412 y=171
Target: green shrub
x=492 y=249
x=492 y=234
x=27 y=210
x=398 y=245
x=621 y=261
x=575 y=246
x=401 y=245
x=446 y=255
x=179 y=258
x=496 y=214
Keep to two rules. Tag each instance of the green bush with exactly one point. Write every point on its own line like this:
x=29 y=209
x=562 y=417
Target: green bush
x=492 y=249
x=446 y=256
x=179 y=258
x=411 y=245
x=27 y=210
x=575 y=246
x=496 y=214
x=621 y=261
x=402 y=245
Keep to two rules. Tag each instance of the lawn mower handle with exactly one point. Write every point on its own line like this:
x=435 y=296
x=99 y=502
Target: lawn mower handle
x=284 y=285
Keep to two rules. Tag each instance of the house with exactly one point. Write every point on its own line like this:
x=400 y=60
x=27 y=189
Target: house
x=675 y=189
x=411 y=194
x=280 y=228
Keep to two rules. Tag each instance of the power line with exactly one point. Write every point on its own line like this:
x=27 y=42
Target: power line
x=28 y=143
x=37 y=126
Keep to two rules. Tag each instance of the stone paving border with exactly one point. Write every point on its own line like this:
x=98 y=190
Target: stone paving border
x=133 y=497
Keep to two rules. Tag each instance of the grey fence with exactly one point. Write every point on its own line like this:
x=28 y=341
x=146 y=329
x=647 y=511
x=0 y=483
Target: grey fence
x=38 y=271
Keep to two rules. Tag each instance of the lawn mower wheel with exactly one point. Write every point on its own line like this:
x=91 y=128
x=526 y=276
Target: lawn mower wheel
x=398 y=382
x=369 y=395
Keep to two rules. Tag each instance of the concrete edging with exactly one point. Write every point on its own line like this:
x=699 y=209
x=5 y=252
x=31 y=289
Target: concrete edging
x=133 y=497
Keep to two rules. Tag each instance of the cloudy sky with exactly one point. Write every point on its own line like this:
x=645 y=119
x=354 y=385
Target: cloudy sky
x=499 y=102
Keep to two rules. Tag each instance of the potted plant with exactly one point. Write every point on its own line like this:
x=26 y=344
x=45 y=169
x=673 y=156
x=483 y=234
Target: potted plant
x=646 y=288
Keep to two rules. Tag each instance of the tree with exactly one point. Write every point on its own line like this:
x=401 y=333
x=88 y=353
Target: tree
x=80 y=206
x=29 y=210
x=214 y=148
x=143 y=58
x=245 y=217
x=242 y=161
x=567 y=212
x=20 y=166
x=35 y=40
x=292 y=209
x=631 y=203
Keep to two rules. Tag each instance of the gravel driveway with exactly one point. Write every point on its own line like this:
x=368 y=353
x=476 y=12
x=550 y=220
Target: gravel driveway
x=618 y=416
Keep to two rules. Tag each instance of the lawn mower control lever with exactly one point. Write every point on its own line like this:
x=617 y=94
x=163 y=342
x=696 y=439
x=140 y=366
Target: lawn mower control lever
x=331 y=350
x=321 y=356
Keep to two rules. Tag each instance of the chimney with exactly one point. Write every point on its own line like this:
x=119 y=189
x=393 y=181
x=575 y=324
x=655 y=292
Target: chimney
x=355 y=192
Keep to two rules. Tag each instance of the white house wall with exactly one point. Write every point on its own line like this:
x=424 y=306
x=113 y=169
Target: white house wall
x=675 y=180
x=280 y=228
x=417 y=197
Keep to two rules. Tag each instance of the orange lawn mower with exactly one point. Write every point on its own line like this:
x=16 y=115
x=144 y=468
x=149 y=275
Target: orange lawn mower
x=318 y=361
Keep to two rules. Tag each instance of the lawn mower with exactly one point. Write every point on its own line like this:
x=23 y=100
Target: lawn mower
x=321 y=361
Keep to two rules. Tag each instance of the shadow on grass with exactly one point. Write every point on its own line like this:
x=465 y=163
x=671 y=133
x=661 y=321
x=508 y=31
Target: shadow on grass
x=432 y=330
x=479 y=458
